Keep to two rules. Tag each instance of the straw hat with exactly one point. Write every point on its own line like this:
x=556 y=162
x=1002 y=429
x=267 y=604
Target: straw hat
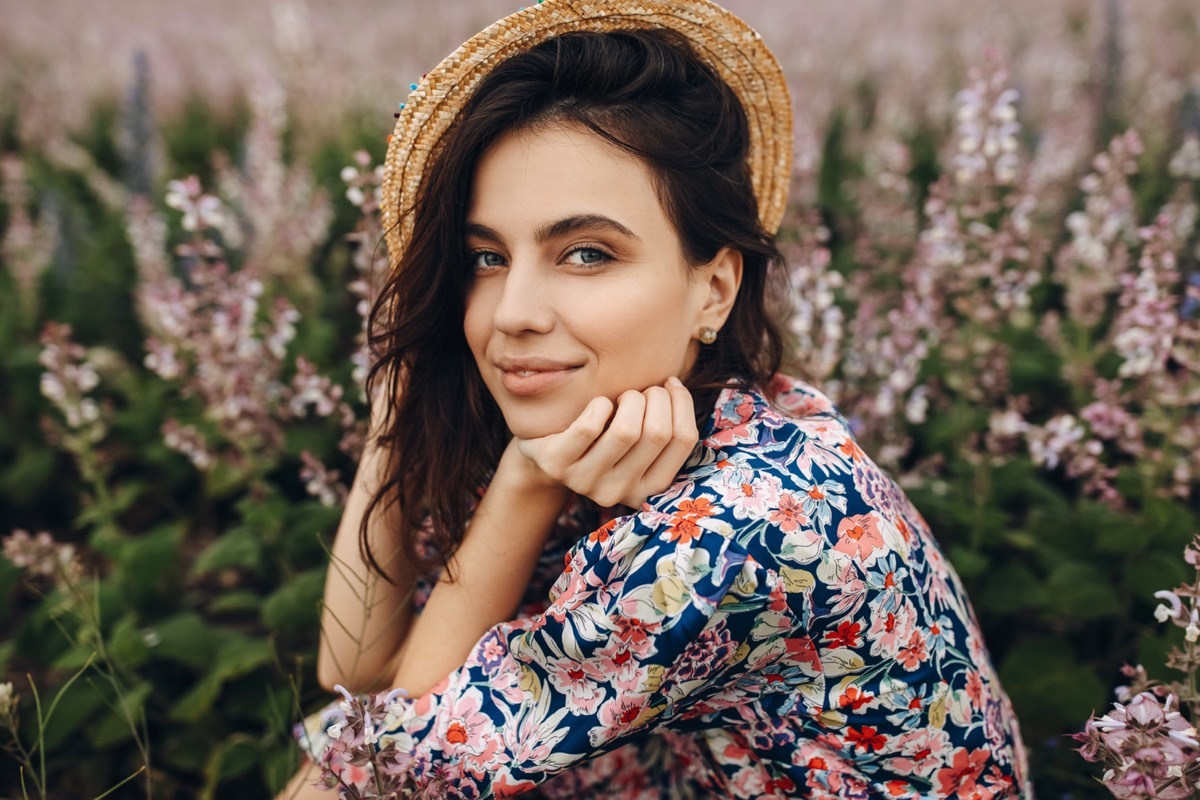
x=726 y=43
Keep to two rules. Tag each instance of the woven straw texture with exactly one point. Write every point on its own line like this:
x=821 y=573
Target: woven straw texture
x=731 y=47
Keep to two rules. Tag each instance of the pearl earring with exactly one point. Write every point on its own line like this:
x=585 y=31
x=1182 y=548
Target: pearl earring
x=708 y=335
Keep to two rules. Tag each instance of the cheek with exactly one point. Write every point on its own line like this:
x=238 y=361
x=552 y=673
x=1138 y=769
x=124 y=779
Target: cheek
x=477 y=323
x=641 y=339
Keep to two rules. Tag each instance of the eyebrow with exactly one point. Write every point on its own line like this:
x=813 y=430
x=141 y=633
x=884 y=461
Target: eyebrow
x=562 y=227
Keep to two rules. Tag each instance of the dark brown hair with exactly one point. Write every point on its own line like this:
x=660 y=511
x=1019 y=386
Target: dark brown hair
x=645 y=92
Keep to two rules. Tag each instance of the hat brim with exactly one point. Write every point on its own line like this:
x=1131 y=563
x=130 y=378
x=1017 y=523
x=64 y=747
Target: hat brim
x=724 y=41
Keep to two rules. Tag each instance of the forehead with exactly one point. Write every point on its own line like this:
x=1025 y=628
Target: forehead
x=534 y=175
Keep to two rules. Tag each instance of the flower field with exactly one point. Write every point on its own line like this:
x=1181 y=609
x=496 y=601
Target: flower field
x=993 y=268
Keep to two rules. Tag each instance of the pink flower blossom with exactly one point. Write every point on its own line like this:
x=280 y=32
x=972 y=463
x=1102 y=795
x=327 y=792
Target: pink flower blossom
x=860 y=538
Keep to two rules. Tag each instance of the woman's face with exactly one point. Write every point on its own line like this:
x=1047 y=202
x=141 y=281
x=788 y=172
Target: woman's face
x=580 y=285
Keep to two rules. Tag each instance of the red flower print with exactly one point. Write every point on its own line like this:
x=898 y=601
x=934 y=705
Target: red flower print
x=456 y=732
x=698 y=508
x=683 y=522
x=465 y=729
x=851 y=450
x=682 y=530
x=859 y=536
x=790 y=515
x=803 y=653
x=960 y=777
x=975 y=688
x=634 y=633
x=914 y=652
x=602 y=533
x=922 y=751
x=898 y=788
x=848 y=634
x=866 y=739
x=855 y=697
x=778 y=599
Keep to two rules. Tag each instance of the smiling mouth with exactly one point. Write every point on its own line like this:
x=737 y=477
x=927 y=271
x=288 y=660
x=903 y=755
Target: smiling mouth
x=528 y=382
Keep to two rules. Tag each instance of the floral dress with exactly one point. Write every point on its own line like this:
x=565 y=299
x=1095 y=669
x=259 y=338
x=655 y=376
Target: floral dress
x=779 y=623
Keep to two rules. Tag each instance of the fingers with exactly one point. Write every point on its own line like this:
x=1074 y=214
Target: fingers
x=628 y=473
x=558 y=452
x=684 y=435
x=655 y=434
x=622 y=455
x=624 y=433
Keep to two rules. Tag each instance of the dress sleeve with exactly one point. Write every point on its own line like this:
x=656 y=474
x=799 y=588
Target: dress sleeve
x=654 y=616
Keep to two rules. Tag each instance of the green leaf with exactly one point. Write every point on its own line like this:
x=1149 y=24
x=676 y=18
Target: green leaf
x=123 y=496
x=126 y=645
x=309 y=526
x=1170 y=522
x=224 y=480
x=79 y=703
x=6 y=653
x=1112 y=532
x=968 y=563
x=1082 y=591
x=236 y=655
x=1155 y=572
x=32 y=470
x=146 y=563
x=231 y=758
x=235 y=601
x=186 y=638
x=264 y=513
x=119 y=723
x=197 y=702
x=1051 y=691
x=237 y=548
x=1010 y=588
x=296 y=605
x=73 y=657
x=279 y=766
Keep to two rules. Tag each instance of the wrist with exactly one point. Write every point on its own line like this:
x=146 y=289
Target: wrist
x=518 y=473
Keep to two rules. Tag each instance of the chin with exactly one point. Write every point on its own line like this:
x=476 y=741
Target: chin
x=535 y=420
x=533 y=426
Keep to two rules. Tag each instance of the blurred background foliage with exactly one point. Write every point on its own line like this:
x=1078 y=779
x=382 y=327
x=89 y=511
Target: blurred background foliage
x=952 y=300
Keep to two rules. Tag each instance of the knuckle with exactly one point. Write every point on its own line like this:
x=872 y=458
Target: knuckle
x=572 y=481
x=606 y=497
x=589 y=431
x=624 y=433
x=658 y=393
x=685 y=431
x=624 y=436
x=658 y=435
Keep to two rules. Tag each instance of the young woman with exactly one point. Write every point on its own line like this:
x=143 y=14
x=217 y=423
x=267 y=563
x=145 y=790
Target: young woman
x=657 y=566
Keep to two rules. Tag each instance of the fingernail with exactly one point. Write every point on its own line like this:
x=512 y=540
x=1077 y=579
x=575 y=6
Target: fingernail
x=675 y=382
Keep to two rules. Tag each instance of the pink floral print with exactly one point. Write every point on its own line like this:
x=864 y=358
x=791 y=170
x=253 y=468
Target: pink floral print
x=778 y=623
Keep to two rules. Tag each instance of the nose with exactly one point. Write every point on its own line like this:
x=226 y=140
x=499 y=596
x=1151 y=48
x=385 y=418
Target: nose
x=524 y=304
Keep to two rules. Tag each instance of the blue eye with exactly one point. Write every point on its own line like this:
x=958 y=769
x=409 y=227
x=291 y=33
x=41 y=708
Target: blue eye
x=588 y=256
x=482 y=260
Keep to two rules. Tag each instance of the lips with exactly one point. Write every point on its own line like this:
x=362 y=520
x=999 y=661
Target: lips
x=530 y=376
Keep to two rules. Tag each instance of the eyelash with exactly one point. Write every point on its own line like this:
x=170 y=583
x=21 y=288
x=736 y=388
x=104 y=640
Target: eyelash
x=604 y=258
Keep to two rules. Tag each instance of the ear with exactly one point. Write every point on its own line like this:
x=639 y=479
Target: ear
x=722 y=277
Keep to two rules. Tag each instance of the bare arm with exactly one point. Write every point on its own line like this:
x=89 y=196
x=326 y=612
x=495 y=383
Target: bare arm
x=491 y=570
x=636 y=454
x=364 y=618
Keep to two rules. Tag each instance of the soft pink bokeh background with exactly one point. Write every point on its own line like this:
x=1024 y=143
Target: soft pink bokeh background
x=335 y=55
